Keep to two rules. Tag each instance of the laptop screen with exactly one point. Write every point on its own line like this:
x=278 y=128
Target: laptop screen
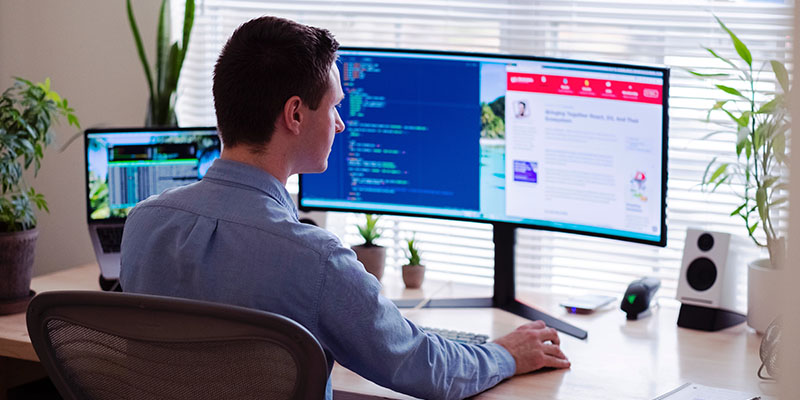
x=126 y=166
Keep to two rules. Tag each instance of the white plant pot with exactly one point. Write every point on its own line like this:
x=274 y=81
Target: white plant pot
x=763 y=294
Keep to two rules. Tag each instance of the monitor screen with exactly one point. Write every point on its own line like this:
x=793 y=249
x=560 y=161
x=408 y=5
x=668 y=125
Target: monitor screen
x=562 y=145
x=126 y=166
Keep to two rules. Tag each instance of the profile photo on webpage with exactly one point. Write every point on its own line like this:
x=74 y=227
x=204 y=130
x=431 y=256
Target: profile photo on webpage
x=521 y=109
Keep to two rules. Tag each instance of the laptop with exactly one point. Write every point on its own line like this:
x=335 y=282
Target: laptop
x=126 y=166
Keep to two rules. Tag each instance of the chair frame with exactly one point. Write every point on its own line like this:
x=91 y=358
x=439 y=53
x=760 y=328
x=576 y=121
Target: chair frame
x=147 y=318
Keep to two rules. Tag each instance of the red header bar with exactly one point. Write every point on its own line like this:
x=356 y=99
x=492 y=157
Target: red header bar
x=585 y=87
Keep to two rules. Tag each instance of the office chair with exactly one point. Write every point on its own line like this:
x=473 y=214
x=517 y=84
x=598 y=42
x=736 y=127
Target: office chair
x=105 y=345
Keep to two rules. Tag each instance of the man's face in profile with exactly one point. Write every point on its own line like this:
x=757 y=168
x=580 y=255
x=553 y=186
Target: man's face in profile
x=322 y=124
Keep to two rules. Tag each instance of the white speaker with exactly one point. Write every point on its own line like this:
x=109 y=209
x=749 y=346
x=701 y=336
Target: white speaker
x=709 y=278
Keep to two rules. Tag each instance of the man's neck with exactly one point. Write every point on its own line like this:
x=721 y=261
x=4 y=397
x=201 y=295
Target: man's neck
x=270 y=162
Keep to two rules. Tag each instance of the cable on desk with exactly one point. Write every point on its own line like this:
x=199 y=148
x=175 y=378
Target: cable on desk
x=428 y=298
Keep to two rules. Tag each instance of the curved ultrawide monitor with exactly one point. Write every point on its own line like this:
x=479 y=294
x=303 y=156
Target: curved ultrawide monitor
x=563 y=145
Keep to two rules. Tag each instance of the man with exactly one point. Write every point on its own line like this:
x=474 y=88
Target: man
x=234 y=237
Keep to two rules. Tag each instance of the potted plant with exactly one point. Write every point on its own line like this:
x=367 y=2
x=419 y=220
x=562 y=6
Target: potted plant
x=169 y=61
x=413 y=272
x=373 y=256
x=27 y=111
x=760 y=122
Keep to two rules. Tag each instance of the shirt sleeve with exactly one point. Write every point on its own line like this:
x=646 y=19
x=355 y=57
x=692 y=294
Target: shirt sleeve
x=366 y=333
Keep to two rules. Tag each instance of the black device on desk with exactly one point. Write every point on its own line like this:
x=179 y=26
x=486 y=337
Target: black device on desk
x=637 y=298
x=515 y=141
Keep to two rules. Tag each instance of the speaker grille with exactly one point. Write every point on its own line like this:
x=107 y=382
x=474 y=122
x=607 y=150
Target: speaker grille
x=705 y=242
x=701 y=274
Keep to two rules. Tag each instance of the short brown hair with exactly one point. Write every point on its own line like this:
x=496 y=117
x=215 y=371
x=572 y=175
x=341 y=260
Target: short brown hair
x=264 y=63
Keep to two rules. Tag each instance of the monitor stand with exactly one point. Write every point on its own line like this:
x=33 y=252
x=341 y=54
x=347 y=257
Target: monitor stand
x=504 y=296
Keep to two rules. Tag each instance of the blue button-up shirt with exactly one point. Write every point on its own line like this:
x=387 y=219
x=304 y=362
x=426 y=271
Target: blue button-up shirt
x=234 y=238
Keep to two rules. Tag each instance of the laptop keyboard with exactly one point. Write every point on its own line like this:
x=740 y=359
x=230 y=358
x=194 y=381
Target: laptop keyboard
x=110 y=238
x=458 y=336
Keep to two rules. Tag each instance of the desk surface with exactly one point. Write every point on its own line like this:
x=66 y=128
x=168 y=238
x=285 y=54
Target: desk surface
x=620 y=359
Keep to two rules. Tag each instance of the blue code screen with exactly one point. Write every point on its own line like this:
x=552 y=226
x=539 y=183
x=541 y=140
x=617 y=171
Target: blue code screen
x=412 y=136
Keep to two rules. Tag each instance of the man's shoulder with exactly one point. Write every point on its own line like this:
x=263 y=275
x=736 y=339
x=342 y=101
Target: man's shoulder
x=262 y=216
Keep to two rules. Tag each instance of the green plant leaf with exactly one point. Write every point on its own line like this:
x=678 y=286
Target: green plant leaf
x=737 y=210
x=748 y=149
x=741 y=49
x=702 y=75
x=768 y=107
x=761 y=202
x=139 y=47
x=717 y=106
x=708 y=168
x=73 y=120
x=781 y=74
x=413 y=251
x=752 y=228
x=719 y=171
x=729 y=62
x=730 y=90
x=758 y=136
x=721 y=180
x=769 y=181
x=370 y=231
x=172 y=70
x=162 y=46
x=779 y=201
x=779 y=147
x=188 y=22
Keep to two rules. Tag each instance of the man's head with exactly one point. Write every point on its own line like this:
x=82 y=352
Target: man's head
x=266 y=62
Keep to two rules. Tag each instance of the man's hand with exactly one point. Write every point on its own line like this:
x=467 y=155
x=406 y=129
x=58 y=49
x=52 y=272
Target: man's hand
x=534 y=346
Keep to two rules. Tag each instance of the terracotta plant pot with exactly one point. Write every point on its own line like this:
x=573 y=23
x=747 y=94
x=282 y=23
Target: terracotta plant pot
x=413 y=275
x=762 y=296
x=16 y=269
x=373 y=258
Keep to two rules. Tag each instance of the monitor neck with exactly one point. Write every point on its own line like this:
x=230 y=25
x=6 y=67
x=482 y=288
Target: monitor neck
x=504 y=237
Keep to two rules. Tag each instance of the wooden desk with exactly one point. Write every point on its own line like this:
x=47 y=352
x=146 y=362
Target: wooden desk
x=620 y=360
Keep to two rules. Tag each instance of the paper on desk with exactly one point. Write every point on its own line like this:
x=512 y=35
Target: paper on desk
x=693 y=391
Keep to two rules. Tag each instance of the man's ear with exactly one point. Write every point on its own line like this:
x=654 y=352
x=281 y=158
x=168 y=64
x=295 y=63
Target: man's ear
x=292 y=114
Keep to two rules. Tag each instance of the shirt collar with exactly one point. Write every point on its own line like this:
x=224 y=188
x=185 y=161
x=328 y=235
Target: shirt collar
x=249 y=176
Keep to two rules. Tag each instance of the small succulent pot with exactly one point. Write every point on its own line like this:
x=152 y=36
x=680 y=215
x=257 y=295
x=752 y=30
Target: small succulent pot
x=413 y=275
x=373 y=258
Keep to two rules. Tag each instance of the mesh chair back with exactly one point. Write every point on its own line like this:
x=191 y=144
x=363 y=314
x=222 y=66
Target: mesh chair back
x=100 y=345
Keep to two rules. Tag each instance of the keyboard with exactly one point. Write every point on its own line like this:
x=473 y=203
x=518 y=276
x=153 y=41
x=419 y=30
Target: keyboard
x=110 y=238
x=458 y=336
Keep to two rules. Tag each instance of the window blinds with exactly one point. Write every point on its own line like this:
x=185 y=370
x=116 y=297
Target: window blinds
x=671 y=33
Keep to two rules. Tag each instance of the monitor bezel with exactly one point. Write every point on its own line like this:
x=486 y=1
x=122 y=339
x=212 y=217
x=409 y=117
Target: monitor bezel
x=87 y=132
x=662 y=242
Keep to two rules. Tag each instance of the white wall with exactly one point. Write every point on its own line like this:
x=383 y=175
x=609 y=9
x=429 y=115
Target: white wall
x=87 y=50
x=791 y=353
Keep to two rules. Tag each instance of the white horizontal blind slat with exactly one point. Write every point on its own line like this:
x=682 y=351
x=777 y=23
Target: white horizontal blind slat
x=664 y=32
